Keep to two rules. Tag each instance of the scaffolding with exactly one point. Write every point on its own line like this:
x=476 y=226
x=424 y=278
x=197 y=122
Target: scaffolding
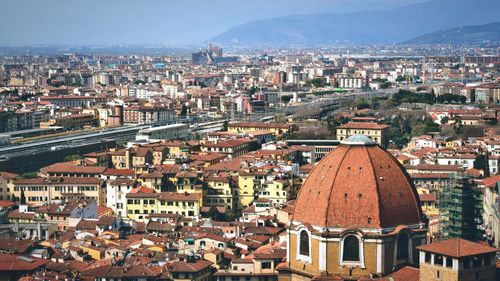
x=460 y=205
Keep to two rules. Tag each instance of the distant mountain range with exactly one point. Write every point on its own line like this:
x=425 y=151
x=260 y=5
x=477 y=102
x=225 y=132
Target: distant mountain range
x=475 y=34
x=392 y=26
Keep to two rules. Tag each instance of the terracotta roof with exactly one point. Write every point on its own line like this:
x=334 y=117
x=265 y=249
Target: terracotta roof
x=7 y=175
x=427 y=167
x=491 y=181
x=58 y=181
x=6 y=204
x=141 y=189
x=86 y=224
x=159 y=226
x=119 y=172
x=10 y=262
x=427 y=197
x=18 y=215
x=122 y=181
x=17 y=247
x=181 y=266
x=406 y=273
x=207 y=157
x=174 y=196
x=358 y=186
x=70 y=167
x=307 y=168
x=457 y=248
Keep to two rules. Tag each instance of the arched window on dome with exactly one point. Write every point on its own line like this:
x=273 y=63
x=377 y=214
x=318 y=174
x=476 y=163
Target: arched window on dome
x=402 y=246
x=304 y=243
x=351 y=249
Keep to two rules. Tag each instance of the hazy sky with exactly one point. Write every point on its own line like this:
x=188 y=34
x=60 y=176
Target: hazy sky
x=151 y=21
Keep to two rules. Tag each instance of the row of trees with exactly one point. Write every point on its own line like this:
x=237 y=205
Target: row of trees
x=406 y=96
x=451 y=98
x=403 y=96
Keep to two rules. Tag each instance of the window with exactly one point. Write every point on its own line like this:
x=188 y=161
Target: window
x=487 y=260
x=402 y=253
x=267 y=265
x=304 y=243
x=427 y=257
x=449 y=262
x=438 y=260
x=351 y=249
x=466 y=263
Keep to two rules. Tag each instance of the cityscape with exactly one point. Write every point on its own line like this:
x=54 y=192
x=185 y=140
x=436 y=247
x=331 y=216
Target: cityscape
x=250 y=141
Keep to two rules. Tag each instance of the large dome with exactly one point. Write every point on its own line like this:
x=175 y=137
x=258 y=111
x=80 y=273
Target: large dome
x=358 y=185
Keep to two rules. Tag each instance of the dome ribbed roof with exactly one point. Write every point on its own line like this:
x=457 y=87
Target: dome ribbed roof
x=358 y=184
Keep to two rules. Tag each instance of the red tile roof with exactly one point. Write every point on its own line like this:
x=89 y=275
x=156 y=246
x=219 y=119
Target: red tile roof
x=491 y=181
x=119 y=172
x=7 y=175
x=11 y=262
x=142 y=189
x=427 y=197
x=457 y=248
x=70 y=167
x=6 y=204
x=181 y=266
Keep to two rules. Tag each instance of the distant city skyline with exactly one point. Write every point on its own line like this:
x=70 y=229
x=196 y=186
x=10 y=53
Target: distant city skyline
x=61 y=22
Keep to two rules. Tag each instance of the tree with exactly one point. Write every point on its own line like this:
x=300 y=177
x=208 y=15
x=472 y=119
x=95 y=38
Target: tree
x=252 y=91
x=347 y=103
x=333 y=122
x=215 y=215
x=72 y=158
x=482 y=163
x=184 y=110
x=400 y=78
x=444 y=120
x=361 y=103
x=425 y=127
x=22 y=199
x=451 y=98
x=316 y=82
x=411 y=97
x=28 y=175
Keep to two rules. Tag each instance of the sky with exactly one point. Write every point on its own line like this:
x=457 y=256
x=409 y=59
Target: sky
x=166 y=22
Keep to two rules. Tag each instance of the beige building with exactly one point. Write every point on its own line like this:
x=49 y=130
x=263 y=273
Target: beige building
x=376 y=132
x=6 y=185
x=218 y=192
x=457 y=259
x=141 y=204
x=46 y=190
